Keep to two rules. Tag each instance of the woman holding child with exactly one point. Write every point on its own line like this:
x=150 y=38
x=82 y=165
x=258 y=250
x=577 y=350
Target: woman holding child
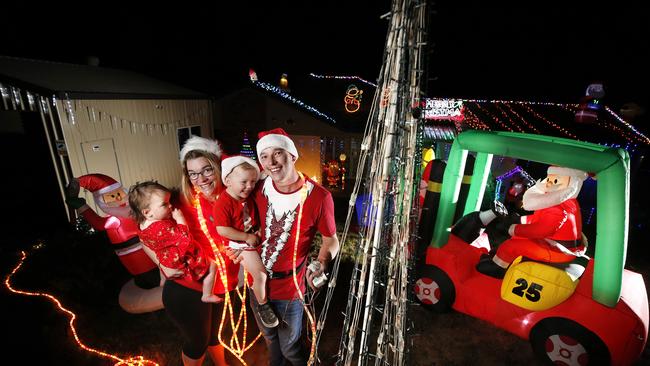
x=196 y=317
x=200 y=186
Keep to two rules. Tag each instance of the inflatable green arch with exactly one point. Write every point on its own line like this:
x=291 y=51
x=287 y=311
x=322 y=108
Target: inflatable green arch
x=611 y=166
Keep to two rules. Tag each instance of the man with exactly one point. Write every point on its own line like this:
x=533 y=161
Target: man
x=553 y=233
x=284 y=198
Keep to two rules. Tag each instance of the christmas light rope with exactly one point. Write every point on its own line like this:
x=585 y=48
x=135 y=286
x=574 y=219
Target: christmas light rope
x=131 y=361
x=234 y=347
x=310 y=316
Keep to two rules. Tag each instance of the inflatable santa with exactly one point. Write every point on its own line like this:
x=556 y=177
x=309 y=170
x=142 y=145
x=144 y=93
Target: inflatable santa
x=553 y=233
x=142 y=293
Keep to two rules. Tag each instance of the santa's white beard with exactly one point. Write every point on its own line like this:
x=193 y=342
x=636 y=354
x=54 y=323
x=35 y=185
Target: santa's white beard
x=538 y=197
x=123 y=211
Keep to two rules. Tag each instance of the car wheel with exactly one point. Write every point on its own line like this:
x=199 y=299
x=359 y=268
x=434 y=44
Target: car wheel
x=559 y=341
x=434 y=289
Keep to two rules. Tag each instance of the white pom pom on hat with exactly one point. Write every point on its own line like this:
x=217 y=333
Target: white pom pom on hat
x=275 y=138
x=200 y=143
x=229 y=163
x=567 y=172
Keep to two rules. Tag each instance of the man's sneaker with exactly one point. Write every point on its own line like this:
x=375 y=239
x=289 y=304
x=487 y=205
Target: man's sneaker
x=267 y=316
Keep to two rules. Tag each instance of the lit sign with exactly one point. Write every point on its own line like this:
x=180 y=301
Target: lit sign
x=352 y=98
x=443 y=109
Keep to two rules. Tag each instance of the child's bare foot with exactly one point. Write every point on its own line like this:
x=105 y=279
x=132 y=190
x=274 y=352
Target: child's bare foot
x=211 y=298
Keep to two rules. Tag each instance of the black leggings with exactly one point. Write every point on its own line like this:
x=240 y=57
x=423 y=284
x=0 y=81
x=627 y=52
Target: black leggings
x=197 y=320
x=149 y=279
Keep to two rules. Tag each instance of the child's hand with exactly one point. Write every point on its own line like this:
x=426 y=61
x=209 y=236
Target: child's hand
x=252 y=240
x=178 y=216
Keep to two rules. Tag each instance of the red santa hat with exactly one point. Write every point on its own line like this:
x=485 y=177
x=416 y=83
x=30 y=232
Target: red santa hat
x=229 y=163
x=200 y=143
x=275 y=138
x=567 y=172
x=98 y=184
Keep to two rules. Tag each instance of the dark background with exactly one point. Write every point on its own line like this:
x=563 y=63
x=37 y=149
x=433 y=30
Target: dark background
x=537 y=51
x=527 y=51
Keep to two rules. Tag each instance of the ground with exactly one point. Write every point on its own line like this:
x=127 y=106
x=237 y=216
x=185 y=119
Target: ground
x=86 y=276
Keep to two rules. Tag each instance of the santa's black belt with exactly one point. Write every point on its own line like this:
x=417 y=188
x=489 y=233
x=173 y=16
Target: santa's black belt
x=125 y=244
x=276 y=275
x=127 y=247
x=569 y=244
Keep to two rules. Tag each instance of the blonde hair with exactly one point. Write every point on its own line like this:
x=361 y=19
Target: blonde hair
x=140 y=197
x=187 y=188
x=245 y=166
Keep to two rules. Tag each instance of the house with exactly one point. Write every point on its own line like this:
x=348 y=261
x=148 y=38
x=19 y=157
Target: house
x=312 y=113
x=59 y=121
x=444 y=118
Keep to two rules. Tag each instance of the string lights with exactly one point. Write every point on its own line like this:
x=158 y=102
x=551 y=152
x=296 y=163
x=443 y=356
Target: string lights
x=281 y=93
x=514 y=113
x=130 y=361
x=494 y=118
x=640 y=135
x=341 y=77
x=474 y=122
x=310 y=316
x=547 y=121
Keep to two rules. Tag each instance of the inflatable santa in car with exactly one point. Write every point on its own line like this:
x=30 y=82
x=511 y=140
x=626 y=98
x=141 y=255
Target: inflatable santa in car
x=553 y=233
x=142 y=293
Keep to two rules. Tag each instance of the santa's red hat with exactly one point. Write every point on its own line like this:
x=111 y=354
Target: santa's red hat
x=275 y=138
x=229 y=163
x=567 y=172
x=202 y=144
x=99 y=183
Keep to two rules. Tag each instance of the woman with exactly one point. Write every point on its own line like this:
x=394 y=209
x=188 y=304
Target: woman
x=198 y=321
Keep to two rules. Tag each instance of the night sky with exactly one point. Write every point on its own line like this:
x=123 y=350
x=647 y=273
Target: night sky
x=538 y=50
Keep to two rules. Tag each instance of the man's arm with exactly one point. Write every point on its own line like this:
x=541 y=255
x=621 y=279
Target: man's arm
x=328 y=251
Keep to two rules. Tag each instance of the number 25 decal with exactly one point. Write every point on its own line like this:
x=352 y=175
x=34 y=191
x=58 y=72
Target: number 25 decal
x=532 y=293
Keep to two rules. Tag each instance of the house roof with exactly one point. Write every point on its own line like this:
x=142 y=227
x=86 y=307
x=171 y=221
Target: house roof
x=87 y=82
x=327 y=96
x=551 y=119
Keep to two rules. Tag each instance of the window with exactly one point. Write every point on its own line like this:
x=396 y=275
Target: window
x=185 y=133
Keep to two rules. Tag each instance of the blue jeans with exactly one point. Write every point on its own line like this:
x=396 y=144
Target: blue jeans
x=284 y=342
